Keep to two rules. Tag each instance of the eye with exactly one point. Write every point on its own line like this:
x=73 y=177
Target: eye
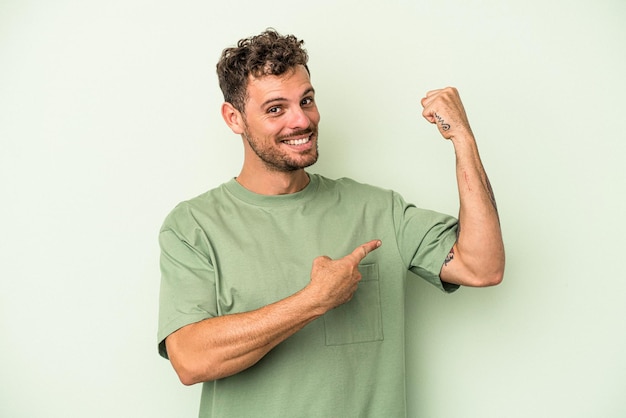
x=307 y=101
x=274 y=110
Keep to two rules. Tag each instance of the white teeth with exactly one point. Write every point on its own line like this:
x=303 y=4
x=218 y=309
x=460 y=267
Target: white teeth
x=297 y=141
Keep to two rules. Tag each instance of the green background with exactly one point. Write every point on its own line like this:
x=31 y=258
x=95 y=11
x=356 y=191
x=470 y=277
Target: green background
x=109 y=116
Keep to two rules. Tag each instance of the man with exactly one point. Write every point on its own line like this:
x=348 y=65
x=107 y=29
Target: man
x=283 y=291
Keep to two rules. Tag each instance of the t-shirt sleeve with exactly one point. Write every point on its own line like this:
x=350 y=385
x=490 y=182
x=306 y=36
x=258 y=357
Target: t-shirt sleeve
x=187 y=292
x=425 y=238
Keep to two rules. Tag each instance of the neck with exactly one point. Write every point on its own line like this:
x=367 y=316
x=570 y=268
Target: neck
x=274 y=183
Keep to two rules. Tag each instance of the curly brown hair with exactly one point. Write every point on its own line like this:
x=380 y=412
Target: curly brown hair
x=268 y=53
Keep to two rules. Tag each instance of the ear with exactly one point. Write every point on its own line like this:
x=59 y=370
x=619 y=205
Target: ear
x=233 y=118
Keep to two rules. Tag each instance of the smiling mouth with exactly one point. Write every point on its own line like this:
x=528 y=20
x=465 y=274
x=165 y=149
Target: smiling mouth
x=300 y=141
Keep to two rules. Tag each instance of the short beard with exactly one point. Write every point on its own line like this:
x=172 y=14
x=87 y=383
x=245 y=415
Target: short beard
x=276 y=161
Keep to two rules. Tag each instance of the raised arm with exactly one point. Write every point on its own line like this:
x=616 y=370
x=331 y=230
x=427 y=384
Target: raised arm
x=477 y=258
x=222 y=346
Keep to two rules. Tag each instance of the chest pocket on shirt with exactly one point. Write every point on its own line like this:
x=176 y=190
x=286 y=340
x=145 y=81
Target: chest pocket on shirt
x=359 y=320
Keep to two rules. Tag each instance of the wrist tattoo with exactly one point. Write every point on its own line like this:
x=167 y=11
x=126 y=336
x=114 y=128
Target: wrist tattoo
x=445 y=126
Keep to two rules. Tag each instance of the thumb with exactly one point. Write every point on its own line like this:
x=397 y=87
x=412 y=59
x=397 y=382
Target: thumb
x=429 y=115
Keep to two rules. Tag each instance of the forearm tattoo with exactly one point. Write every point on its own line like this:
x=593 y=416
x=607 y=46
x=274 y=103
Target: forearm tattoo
x=492 y=196
x=449 y=257
x=445 y=126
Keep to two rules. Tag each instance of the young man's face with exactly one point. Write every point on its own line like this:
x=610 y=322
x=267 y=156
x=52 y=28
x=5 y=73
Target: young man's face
x=281 y=119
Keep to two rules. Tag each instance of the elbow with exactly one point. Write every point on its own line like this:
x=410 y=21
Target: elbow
x=192 y=370
x=186 y=373
x=489 y=271
x=483 y=280
x=491 y=277
x=184 y=368
x=190 y=367
x=485 y=275
x=186 y=377
x=185 y=380
x=498 y=274
x=190 y=374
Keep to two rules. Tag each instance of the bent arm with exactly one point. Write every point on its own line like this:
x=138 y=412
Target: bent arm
x=222 y=346
x=477 y=258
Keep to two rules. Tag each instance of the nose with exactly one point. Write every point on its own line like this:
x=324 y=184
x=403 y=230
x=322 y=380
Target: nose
x=299 y=119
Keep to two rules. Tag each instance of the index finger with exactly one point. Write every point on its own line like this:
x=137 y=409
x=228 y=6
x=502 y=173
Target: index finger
x=431 y=92
x=363 y=250
x=429 y=95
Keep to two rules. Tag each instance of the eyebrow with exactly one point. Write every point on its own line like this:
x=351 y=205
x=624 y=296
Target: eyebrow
x=283 y=99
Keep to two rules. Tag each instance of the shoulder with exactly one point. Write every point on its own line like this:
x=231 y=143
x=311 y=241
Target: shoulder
x=348 y=185
x=190 y=212
x=351 y=194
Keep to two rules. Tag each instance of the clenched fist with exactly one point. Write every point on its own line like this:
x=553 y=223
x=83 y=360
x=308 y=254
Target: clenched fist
x=444 y=108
